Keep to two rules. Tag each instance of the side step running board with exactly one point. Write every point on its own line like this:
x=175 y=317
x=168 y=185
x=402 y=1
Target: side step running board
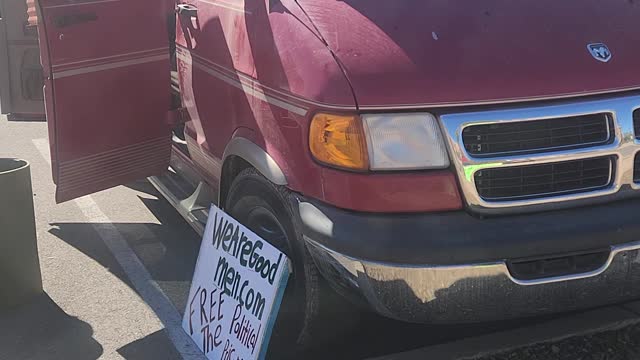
x=194 y=208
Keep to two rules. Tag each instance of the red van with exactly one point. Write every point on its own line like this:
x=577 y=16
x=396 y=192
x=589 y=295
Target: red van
x=437 y=161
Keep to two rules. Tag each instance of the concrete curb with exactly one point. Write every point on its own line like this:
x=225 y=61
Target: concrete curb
x=578 y=324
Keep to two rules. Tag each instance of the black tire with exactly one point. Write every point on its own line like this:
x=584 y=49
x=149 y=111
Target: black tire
x=311 y=314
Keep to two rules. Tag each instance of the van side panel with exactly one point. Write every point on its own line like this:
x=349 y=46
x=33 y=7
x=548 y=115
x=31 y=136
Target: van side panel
x=256 y=65
x=259 y=70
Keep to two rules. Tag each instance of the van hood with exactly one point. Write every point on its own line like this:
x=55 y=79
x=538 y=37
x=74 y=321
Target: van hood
x=454 y=52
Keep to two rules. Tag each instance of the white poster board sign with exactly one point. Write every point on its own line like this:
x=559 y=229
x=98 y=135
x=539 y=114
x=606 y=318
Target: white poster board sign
x=236 y=291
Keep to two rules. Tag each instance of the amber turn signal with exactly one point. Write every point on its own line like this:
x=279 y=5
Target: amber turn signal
x=339 y=140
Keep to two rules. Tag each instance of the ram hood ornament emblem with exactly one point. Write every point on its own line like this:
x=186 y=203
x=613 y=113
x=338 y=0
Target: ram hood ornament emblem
x=600 y=52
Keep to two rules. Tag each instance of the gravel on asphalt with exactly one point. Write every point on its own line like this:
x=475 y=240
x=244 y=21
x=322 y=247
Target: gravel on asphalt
x=620 y=344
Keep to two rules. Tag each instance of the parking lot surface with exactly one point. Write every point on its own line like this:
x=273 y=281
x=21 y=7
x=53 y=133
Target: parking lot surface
x=117 y=266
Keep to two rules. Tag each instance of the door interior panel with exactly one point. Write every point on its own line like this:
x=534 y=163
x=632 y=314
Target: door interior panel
x=107 y=89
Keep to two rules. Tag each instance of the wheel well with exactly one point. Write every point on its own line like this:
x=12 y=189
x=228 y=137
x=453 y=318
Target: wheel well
x=232 y=166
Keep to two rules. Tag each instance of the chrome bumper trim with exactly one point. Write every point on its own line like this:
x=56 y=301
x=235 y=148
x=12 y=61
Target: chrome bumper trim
x=623 y=148
x=430 y=288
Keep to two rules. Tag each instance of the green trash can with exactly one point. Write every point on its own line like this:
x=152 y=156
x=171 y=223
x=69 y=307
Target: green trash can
x=20 y=279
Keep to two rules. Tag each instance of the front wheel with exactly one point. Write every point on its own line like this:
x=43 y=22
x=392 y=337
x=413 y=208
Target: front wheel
x=310 y=311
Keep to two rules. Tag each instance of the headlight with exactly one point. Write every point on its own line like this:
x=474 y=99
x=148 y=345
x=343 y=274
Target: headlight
x=338 y=140
x=404 y=142
x=378 y=141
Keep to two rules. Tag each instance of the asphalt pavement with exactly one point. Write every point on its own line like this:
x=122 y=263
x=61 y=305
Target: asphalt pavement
x=117 y=267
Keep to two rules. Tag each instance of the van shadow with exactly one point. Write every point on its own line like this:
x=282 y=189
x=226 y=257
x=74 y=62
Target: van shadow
x=153 y=346
x=167 y=249
x=42 y=330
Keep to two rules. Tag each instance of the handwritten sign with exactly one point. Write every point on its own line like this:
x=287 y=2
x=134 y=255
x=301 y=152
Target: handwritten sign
x=236 y=291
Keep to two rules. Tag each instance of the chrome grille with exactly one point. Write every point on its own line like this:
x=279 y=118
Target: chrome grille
x=520 y=182
x=537 y=135
x=499 y=182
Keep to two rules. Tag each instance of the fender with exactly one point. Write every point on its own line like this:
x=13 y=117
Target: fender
x=257 y=157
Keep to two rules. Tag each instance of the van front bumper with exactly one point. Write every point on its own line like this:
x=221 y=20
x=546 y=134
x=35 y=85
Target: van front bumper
x=454 y=268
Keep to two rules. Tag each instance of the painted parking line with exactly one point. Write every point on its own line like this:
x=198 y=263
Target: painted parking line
x=135 y=270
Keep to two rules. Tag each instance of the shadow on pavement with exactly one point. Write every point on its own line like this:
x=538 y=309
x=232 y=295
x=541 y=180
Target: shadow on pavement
x=144 y=186
x=168 y=250
x=42 y=330
x=155 y=346
x=167 y=257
